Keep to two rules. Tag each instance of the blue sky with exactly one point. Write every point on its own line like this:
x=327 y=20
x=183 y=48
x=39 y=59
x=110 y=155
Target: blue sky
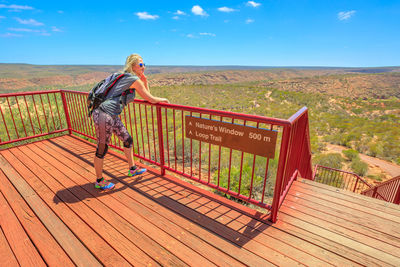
x=352 y=33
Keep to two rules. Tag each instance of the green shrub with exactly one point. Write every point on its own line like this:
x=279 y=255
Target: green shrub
x=351 y=154
x=376 y=177
x=332 y=160
x=234 y=180
x=359 y=167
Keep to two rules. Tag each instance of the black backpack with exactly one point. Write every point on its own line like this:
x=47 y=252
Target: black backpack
x=99 y=92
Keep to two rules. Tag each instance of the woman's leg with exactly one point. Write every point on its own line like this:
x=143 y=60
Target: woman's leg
x=123 y=135
x=128 y=154
x=103 y=126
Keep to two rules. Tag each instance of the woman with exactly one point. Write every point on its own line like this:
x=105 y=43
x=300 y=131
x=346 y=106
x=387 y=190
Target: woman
x=106 y=116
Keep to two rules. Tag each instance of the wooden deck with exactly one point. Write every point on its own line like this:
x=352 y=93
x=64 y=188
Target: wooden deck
x=51 y=214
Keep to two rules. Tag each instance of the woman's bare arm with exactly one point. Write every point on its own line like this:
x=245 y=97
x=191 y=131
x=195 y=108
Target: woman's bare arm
x=145 y=94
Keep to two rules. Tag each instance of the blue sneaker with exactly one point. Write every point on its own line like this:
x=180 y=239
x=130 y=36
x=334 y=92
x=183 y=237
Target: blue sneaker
x=136 y=171
x=104 y=185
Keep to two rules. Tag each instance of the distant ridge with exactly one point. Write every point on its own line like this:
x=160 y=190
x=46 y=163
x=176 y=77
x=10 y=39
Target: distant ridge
x=23 y=70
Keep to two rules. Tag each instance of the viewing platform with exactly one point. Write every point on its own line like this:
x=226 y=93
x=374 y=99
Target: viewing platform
x=180 y=212
x=51 y=214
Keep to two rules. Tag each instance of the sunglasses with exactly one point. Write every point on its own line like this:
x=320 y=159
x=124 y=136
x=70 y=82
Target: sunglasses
x=142 y=65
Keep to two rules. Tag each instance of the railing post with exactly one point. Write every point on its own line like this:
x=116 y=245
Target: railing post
x=280 y=173
x=397 y=196
x=160 y=139
x=374 y=192
x=315 y=172
x=355 y=186
x=66 y=111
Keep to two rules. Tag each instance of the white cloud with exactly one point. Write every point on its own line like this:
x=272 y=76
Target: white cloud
x=60 y=12
x=345 y=15
x=248 y=21
x=29 y=22
x=22 y=30
x=178 y=12
x=226 y=9
x=190 y=35
x=253 y=4
x=146 y=16
x=2 y=17
x=207 y=33
x=175 y=17
x=16 y=7
x=197 y=10
x=10 y=35
x=55 y=29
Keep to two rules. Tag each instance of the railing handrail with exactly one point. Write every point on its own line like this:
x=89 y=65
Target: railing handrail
x=297 y=115
x=31 y=93
x=255 y=118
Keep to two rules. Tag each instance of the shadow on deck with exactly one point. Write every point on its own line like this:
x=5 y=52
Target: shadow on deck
x=52 y=214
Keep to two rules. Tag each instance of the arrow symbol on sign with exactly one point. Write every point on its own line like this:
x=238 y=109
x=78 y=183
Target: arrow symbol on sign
x=190 y=132
x=190 y=123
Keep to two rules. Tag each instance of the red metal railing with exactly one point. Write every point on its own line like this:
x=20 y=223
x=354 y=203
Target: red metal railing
x=159 y=138
x=295 y=158
x=30 y=115
x=388 y=191
x=341 y=179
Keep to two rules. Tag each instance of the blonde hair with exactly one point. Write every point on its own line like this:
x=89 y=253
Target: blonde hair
x=131 y=60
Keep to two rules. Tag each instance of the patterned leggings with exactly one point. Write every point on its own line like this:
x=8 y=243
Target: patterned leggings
x=105 y=125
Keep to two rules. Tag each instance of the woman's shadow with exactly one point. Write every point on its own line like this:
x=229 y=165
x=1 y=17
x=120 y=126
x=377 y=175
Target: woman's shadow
x=78 y=193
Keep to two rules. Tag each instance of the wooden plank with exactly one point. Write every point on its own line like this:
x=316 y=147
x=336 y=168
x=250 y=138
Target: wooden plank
x=374 y=255
x=6 y=255
x=352 y=221
x=44 y=242
x=62 y=233
x=126 y=248
x=365 y=215
x=168 y=221
x=118 y=215
x=19 y=241
x=374 y=203
x=383 y=207
x=285 y=223
x=240 y=254
x=318 y=219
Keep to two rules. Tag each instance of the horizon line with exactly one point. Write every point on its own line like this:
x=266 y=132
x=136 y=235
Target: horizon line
x=236 y=66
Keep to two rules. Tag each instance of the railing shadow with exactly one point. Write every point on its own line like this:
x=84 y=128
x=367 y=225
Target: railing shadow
x=220 y=218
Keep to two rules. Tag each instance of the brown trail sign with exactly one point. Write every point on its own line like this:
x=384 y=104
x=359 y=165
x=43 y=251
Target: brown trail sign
x=248 y=139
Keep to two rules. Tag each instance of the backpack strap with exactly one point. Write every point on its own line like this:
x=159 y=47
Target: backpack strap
x=113 y=82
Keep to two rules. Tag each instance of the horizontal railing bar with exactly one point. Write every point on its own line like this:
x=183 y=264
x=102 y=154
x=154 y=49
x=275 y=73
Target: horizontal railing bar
x=30 y=137
x=30 y=93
